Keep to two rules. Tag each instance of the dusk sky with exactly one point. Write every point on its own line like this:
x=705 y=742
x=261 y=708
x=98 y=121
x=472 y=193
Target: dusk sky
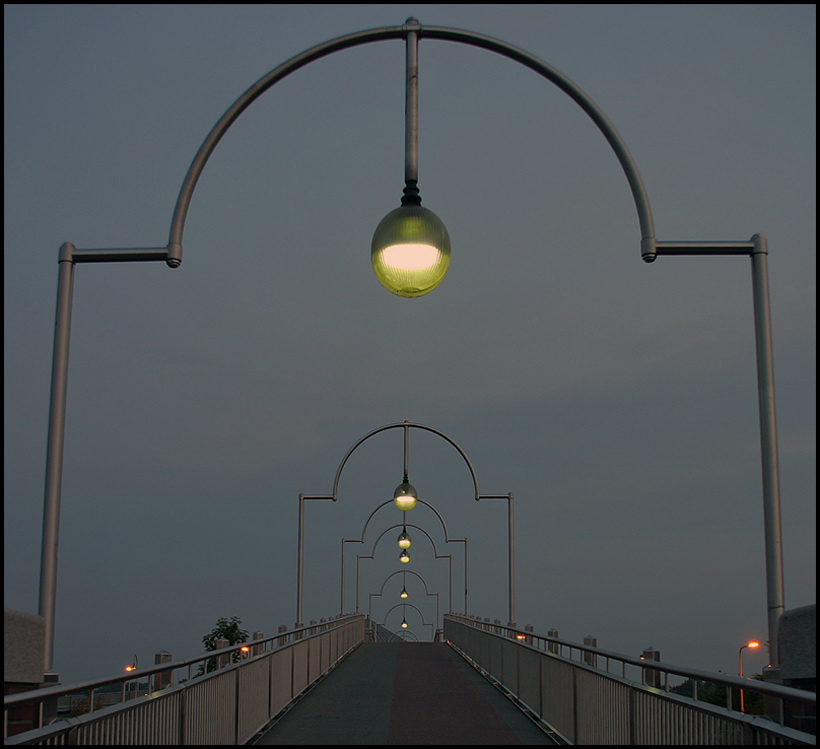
x=616 y=399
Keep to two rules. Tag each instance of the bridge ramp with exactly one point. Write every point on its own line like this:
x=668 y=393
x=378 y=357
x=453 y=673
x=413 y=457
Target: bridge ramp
x=404 y=693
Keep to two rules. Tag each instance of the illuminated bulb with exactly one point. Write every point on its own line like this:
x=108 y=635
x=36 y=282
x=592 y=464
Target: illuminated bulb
x=404 y=593
x=403 y=624
x=405 y=496
x=404 y=557
x=410 y=251
x=404 y=540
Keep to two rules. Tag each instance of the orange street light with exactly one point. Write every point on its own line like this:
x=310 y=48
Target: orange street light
x=133 y=667
x=751 y=644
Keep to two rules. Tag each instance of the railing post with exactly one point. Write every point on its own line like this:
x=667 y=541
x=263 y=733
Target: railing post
x=590 y=658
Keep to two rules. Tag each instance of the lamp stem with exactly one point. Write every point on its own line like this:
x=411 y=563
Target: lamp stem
x=411 y=104
x=406 y=452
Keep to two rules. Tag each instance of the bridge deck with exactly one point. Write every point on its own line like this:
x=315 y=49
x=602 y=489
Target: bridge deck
x=404 y=693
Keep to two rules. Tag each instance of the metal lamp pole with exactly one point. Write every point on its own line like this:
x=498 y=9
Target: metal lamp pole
x=69 y=255
x=757 y=249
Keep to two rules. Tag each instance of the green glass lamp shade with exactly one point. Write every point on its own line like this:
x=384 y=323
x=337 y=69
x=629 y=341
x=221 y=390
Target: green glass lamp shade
x=405 y=496
x=410 y=251
x=404 y=540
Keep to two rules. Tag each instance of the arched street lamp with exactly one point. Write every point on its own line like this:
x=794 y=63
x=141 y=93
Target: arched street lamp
x=406 y=426
x=404 y=595
x=400 y=223
x=436 y=555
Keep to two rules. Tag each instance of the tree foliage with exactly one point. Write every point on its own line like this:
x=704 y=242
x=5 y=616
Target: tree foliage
x=716 y=695
x=225 y=629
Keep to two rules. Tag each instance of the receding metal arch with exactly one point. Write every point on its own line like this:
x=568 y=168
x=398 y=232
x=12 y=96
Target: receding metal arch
x=372 y=555
x=648 y=242
x=404 y=572
x=427 y=593
x=387 y=502
x=424 y=623
x=401 y=525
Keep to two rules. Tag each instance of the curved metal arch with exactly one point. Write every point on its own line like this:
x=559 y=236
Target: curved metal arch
x=406 y=425
x=372 y=555
x=402 y=525
x=425 y=623
x=427 y=593
x=405 y=572
x=447 y=538
x=403 y=635
x=648 y=242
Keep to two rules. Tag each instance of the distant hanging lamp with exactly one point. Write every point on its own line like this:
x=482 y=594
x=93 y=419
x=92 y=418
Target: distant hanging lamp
x=404 y=540
x=404 y=593
x=410 y=251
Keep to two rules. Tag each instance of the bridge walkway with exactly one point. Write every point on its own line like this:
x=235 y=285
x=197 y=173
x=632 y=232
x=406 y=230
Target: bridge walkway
x=404 y=693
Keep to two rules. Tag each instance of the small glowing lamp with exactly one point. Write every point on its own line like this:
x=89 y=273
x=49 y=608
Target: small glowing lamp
x=404 y=557
x=404 y=540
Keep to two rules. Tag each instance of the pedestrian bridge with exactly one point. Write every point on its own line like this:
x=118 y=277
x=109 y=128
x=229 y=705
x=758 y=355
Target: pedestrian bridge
x=349 y=681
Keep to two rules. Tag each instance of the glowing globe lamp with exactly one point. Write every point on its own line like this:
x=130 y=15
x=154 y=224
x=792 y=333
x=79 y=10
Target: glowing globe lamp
x=404 y=540
x=410 y=251
x=404 y=557
x=405 y=496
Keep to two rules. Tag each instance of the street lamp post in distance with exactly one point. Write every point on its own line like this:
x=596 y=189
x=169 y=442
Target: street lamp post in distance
x=753 y=644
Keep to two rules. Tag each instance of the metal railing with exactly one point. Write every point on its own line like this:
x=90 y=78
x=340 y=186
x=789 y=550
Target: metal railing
x=209 y=699
x=590 y=696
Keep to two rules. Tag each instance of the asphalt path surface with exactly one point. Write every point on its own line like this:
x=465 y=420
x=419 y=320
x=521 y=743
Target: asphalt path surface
x=404 y=693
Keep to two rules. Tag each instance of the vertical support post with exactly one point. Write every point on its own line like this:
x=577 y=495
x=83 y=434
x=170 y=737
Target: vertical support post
x=511 y=556
x=54 y=454
x=768 y=443
x=510 y=551
x=757 y=248
x=300 y=566
x=300 y=560
x=466 y=579
x=342 y=601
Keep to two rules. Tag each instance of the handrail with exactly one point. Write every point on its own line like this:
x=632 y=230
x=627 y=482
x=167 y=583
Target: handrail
x=280 y=639
x=527 y=638
x=573 y=675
